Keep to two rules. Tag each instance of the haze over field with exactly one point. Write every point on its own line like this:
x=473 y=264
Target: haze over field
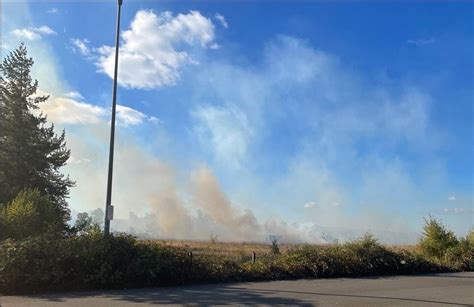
x=315 y=123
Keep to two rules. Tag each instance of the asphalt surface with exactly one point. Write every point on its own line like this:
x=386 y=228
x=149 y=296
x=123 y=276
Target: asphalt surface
x=425 y=290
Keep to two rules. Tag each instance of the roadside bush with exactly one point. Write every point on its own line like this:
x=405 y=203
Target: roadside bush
x=30 y=214
x=436 y=239
x=90 y=261
x=470 y=237
x=460 y=256
x=83 y=262
x=441 y=245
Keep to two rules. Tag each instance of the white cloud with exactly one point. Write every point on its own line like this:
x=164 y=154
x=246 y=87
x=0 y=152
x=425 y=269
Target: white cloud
x=452 y=198
x=53 y=10
x=33 y=33
x=155 y=48
x=74 y=160
x=80 y=45
x=26 y=33
x=127 y=116
x=44 y=30
x=459 y=210
x=68 y=111
x=74 y=95
x=310 y=205
x=221 y=20
x=421 y=41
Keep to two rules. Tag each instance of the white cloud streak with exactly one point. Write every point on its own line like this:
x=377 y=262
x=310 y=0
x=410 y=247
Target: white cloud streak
x=64 y=110
x=68 y=111
x=80 y=45
x=32 y=33
x=130 y=117
x=309 y=205
x=74 y=95
x=222 y=20
x=53 y=10
x=419 y=42
x=458 y=210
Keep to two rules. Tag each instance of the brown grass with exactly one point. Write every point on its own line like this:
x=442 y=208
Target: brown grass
x=233 y=250
x=243 y=250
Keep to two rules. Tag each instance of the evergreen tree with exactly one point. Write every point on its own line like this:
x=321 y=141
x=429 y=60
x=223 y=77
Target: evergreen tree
x=31 y=153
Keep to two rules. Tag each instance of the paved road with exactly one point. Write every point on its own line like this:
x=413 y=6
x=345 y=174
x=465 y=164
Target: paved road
x=427 y=290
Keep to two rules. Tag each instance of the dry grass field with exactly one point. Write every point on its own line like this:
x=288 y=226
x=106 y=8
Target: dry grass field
x=231 y=250
x=244 y=250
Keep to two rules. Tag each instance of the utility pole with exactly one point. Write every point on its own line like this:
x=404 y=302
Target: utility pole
x=109 y=210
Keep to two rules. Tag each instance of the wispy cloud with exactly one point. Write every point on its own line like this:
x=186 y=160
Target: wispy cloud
x=74 y=160
x=421 y=41
x=130 y=117
x=33 y=33
x=80 y=45
x=68 y=110
x=222 y=20
x=309 y=205
x=459 y=210
x=53 y=10
x=74 y=95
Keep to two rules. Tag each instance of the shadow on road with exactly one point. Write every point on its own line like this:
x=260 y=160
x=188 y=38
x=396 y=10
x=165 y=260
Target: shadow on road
x=252 y=294
x=363 y=296
x=195 y=295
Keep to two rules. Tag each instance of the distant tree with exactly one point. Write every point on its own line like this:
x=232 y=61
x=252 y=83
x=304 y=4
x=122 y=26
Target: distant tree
x=30 y=214
x=85 y=224
x=97 y=216
x=31 y=154
x=275 y=248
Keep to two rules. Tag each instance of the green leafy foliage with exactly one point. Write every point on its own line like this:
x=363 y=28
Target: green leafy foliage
x=30 y=214
x=441 y=245
x=461 y=255
x=436 y=239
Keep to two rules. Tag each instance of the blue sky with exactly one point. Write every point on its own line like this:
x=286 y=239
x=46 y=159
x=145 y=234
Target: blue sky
x=246 y=119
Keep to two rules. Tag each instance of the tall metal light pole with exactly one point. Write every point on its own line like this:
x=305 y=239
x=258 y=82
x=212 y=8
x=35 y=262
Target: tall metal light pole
x=108 y=203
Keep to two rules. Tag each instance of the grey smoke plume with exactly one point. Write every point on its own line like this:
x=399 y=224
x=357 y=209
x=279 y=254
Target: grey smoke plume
x=200 y=210
x=207 y=196
x=160 y=205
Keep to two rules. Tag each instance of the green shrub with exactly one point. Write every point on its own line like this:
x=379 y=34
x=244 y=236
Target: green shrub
x=436 y=239
x=470 y=237
x=460 y=256
x=90 y=261
x=30 y=214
